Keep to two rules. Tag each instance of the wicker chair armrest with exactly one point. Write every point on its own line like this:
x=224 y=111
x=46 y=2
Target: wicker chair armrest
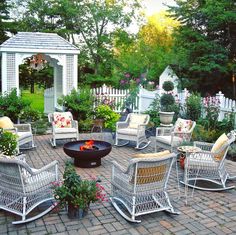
x=203 y=145
x=51 y=165
x=14 y=129
x=23 y=127
x=74 y=124
x=162 y=131
x=203 y=156
x=121 y=125
x=116 y=165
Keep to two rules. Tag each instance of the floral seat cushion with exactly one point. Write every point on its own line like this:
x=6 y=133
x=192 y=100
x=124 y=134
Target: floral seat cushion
x=183 y=125
x=62 y=120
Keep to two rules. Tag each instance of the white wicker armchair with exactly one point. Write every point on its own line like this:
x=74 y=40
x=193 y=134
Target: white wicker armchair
x=172 y=137
x=61 y=132
x=142 y=187
x=133 y=129
x=23 y=188
x=208 y=166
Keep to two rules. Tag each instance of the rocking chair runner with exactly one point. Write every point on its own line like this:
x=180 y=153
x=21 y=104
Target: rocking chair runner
x=23 y=188
x=209 y=165
x=133 y=129
x=142 y=187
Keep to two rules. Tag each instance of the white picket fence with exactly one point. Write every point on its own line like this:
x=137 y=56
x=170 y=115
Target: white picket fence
x=142 y=101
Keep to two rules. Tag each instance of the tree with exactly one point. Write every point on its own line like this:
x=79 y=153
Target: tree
x=4 y=17
x=90 y=24
x=206 y=42
x=151 y=50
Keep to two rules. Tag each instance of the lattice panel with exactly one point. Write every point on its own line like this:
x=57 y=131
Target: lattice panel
x=69 y=72
x=11 y=72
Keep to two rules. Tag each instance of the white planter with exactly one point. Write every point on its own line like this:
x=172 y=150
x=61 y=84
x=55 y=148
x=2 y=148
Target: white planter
x=166 y=118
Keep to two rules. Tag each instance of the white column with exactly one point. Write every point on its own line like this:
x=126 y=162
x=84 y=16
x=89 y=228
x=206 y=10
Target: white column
x=4 y=72
x=55 y=74
x=64 y=77
x=75 y=75
x=17 y=81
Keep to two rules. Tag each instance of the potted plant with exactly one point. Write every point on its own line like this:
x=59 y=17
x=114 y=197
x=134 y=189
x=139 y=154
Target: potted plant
x=106 y=116
x=167 y=102
x=8 y=142
x=77 y=194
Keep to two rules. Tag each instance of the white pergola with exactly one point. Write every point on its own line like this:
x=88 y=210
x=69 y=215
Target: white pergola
x=61 y=55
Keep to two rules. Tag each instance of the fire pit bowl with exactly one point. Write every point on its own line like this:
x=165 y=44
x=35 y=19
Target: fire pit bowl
x=90 y=157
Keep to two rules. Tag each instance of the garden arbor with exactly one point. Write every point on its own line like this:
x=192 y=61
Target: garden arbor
x=59 y=53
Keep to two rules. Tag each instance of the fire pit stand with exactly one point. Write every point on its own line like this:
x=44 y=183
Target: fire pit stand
x=87 y=158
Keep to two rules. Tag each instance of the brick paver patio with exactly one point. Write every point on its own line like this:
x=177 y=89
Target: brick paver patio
x=206 y=213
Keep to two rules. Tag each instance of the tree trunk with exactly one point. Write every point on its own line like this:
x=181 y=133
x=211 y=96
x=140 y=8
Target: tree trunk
x=32 y=86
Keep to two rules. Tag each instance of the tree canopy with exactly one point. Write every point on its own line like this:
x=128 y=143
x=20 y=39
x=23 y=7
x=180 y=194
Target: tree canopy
x=206 y=42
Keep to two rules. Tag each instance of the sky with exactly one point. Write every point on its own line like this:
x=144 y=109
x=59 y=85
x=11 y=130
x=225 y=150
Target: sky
x=153 y=6
x=150 y=7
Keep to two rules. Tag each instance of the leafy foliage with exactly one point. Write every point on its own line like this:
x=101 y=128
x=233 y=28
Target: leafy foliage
x=8 y=142
x=11 y=105
x=205 y=42
x=80 y=103
x=167 y=99
x=108 y=115
x=193 y=106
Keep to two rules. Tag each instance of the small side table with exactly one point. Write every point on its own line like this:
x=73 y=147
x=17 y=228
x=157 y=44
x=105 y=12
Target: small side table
x=186 y=149
x=183 y=150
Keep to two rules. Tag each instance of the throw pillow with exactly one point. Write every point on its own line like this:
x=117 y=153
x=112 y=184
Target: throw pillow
x=62 y=120
x=218 y=144
x=6 y=123
x=183 y=125
x=136 y=119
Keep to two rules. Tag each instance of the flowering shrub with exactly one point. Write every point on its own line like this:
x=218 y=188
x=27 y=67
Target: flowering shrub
x=77 y=192
x=102 y=99
x=8 y=142
x=211 y=107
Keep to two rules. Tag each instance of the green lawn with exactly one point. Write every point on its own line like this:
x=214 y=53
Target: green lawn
x=37 y=99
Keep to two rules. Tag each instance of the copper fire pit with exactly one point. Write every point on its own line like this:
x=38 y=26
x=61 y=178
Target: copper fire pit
x=89 y=157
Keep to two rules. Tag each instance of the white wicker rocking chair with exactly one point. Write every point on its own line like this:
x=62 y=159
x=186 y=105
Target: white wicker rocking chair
x=133 y=129
x=206 y=170
x=23 y=188
x=71 y=132
x=142 y=187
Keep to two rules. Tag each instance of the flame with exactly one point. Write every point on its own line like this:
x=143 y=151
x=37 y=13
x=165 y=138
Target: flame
x=88 y=145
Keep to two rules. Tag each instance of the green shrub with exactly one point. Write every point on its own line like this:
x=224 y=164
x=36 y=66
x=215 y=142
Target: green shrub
x=29 y=114
x=167 y=100
x=80 y=103
x=200 y=133
x=12 y=105
x=193 y=106
x=8 y=142
x=168 y=86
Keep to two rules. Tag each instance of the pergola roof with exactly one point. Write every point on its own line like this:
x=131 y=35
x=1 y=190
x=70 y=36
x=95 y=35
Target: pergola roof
x=38 y=42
